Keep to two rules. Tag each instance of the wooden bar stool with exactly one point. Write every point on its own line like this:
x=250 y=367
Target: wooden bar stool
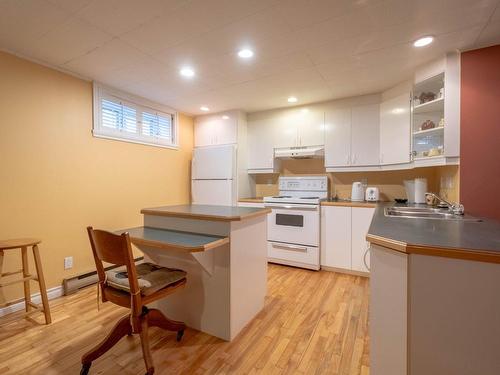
x=23 y=244
x=133 y=287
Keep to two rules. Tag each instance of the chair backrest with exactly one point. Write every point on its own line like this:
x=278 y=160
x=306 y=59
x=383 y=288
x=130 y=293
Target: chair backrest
x=115 y=249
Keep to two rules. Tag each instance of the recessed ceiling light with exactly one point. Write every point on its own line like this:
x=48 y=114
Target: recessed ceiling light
x=292 y=99
x=225 y=117
x=205 y=108
x=397 y=111
x=245 y=53
x=422 y=42
x=187 y=72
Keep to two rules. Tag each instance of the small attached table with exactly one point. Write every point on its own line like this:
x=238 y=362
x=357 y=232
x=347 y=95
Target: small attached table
x=224 y=252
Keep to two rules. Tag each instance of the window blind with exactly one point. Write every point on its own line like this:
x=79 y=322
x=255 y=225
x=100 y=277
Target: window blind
x=156 y=125
x=118 y=118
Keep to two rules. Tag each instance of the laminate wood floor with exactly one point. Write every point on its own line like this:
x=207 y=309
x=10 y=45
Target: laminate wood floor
x=312 y=323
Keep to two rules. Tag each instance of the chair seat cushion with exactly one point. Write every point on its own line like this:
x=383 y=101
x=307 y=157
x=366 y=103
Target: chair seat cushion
x=150 y=277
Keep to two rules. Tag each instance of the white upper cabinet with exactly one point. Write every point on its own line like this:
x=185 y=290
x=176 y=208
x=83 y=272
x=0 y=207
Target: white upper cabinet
x=311 y=127
x=204 y=132
x=283 y=129
x=395 y=127
x=352 y=137
x=215 y=130
x=298 y=127
x=365 y=135
x=226 y=131
x=291 y=127
x=337 y=137
x=260 y=146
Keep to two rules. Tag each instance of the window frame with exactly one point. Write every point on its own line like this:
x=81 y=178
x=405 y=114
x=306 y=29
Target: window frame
x=140 y=105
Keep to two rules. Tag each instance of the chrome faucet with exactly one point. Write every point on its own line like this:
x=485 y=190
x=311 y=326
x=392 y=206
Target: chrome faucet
x=455 y=208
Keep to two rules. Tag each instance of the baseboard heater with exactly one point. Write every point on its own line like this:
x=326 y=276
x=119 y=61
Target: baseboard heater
x=74 y=284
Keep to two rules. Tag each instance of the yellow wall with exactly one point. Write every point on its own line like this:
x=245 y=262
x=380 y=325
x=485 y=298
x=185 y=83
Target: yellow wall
x=55 y=178
x=390 y=183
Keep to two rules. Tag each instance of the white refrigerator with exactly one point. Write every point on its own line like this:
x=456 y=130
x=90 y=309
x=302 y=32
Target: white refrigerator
x=213 y=175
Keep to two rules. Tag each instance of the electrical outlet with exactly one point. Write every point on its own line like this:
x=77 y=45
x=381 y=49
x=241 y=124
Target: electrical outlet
x=68 y=263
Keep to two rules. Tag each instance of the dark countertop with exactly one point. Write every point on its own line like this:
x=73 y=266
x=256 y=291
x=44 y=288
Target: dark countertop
x=167 y=239
x=469 y=239
x=207 y=212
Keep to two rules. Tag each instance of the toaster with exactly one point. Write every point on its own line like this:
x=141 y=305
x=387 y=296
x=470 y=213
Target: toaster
x=372 y=194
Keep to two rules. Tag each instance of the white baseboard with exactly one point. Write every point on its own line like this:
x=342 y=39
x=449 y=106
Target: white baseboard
x=35 y=298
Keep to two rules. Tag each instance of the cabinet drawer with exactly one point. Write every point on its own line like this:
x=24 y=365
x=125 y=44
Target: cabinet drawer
x=306 y=256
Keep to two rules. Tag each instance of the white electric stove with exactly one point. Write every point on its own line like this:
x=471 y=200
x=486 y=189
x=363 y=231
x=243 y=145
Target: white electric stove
x=294 y=224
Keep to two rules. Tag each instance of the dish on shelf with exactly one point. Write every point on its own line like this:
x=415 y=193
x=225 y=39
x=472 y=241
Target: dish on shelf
x=426 y=97
x=427 y=125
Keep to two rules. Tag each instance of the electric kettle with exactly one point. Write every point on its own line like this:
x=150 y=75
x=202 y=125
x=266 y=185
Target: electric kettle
x=357 y=192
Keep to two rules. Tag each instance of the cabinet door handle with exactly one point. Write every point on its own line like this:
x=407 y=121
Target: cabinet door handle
x=348 y=160
x=364 y=257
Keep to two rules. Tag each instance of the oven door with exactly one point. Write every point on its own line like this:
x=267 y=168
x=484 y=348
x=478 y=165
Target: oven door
x=293 y=223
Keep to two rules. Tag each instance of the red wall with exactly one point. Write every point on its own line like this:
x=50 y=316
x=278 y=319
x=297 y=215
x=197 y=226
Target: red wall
x=480 y=132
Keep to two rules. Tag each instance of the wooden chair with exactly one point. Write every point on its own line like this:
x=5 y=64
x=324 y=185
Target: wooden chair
x=23 y=244
x=116 y=249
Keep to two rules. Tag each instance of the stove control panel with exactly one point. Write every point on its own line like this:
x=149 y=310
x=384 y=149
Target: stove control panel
x=303 y=183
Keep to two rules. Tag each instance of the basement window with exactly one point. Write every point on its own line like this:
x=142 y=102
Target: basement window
x=124 y=117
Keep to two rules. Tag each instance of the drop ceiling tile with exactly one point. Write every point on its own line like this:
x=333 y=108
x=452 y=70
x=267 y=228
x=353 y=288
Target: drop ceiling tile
x=112 y=56
x=249 y=32
x=119 y=16
x=496 y=14
x=229 y=69
x=490 y=36
x=58 y=45
x=303 y=13
x=70 y=5
x=22 y=22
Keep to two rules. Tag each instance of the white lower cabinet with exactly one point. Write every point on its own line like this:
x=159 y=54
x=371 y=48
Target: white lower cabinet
x=343 y=232
x=336 y=237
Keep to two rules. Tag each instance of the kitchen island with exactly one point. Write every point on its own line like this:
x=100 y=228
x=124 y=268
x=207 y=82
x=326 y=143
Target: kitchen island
x=223 y=249
x=434 y=301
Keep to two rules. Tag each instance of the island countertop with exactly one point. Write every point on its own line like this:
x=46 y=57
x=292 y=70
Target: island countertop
x=472 y=240
x=207 y=212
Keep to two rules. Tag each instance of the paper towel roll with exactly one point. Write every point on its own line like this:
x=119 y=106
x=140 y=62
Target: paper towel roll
x=420 y=190
x=410 y=190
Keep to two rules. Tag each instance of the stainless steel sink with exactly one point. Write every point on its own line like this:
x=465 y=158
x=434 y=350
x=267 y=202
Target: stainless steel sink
x=426 y=213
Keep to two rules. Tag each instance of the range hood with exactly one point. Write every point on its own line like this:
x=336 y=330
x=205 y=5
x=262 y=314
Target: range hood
x=306 y=152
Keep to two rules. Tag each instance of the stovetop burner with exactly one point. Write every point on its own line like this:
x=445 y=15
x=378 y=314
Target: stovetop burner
x=283 y=196
x=309 y=197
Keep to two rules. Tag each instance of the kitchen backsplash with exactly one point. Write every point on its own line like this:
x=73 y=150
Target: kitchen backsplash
x=443 y=180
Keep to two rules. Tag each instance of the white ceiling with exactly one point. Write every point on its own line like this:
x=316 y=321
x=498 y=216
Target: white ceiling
x=313 y=49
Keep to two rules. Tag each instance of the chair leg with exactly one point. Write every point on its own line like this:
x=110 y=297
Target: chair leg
x=26 y=273
x=121 y=328
x=41 y=282
x=157 y=319
x=146 y=352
